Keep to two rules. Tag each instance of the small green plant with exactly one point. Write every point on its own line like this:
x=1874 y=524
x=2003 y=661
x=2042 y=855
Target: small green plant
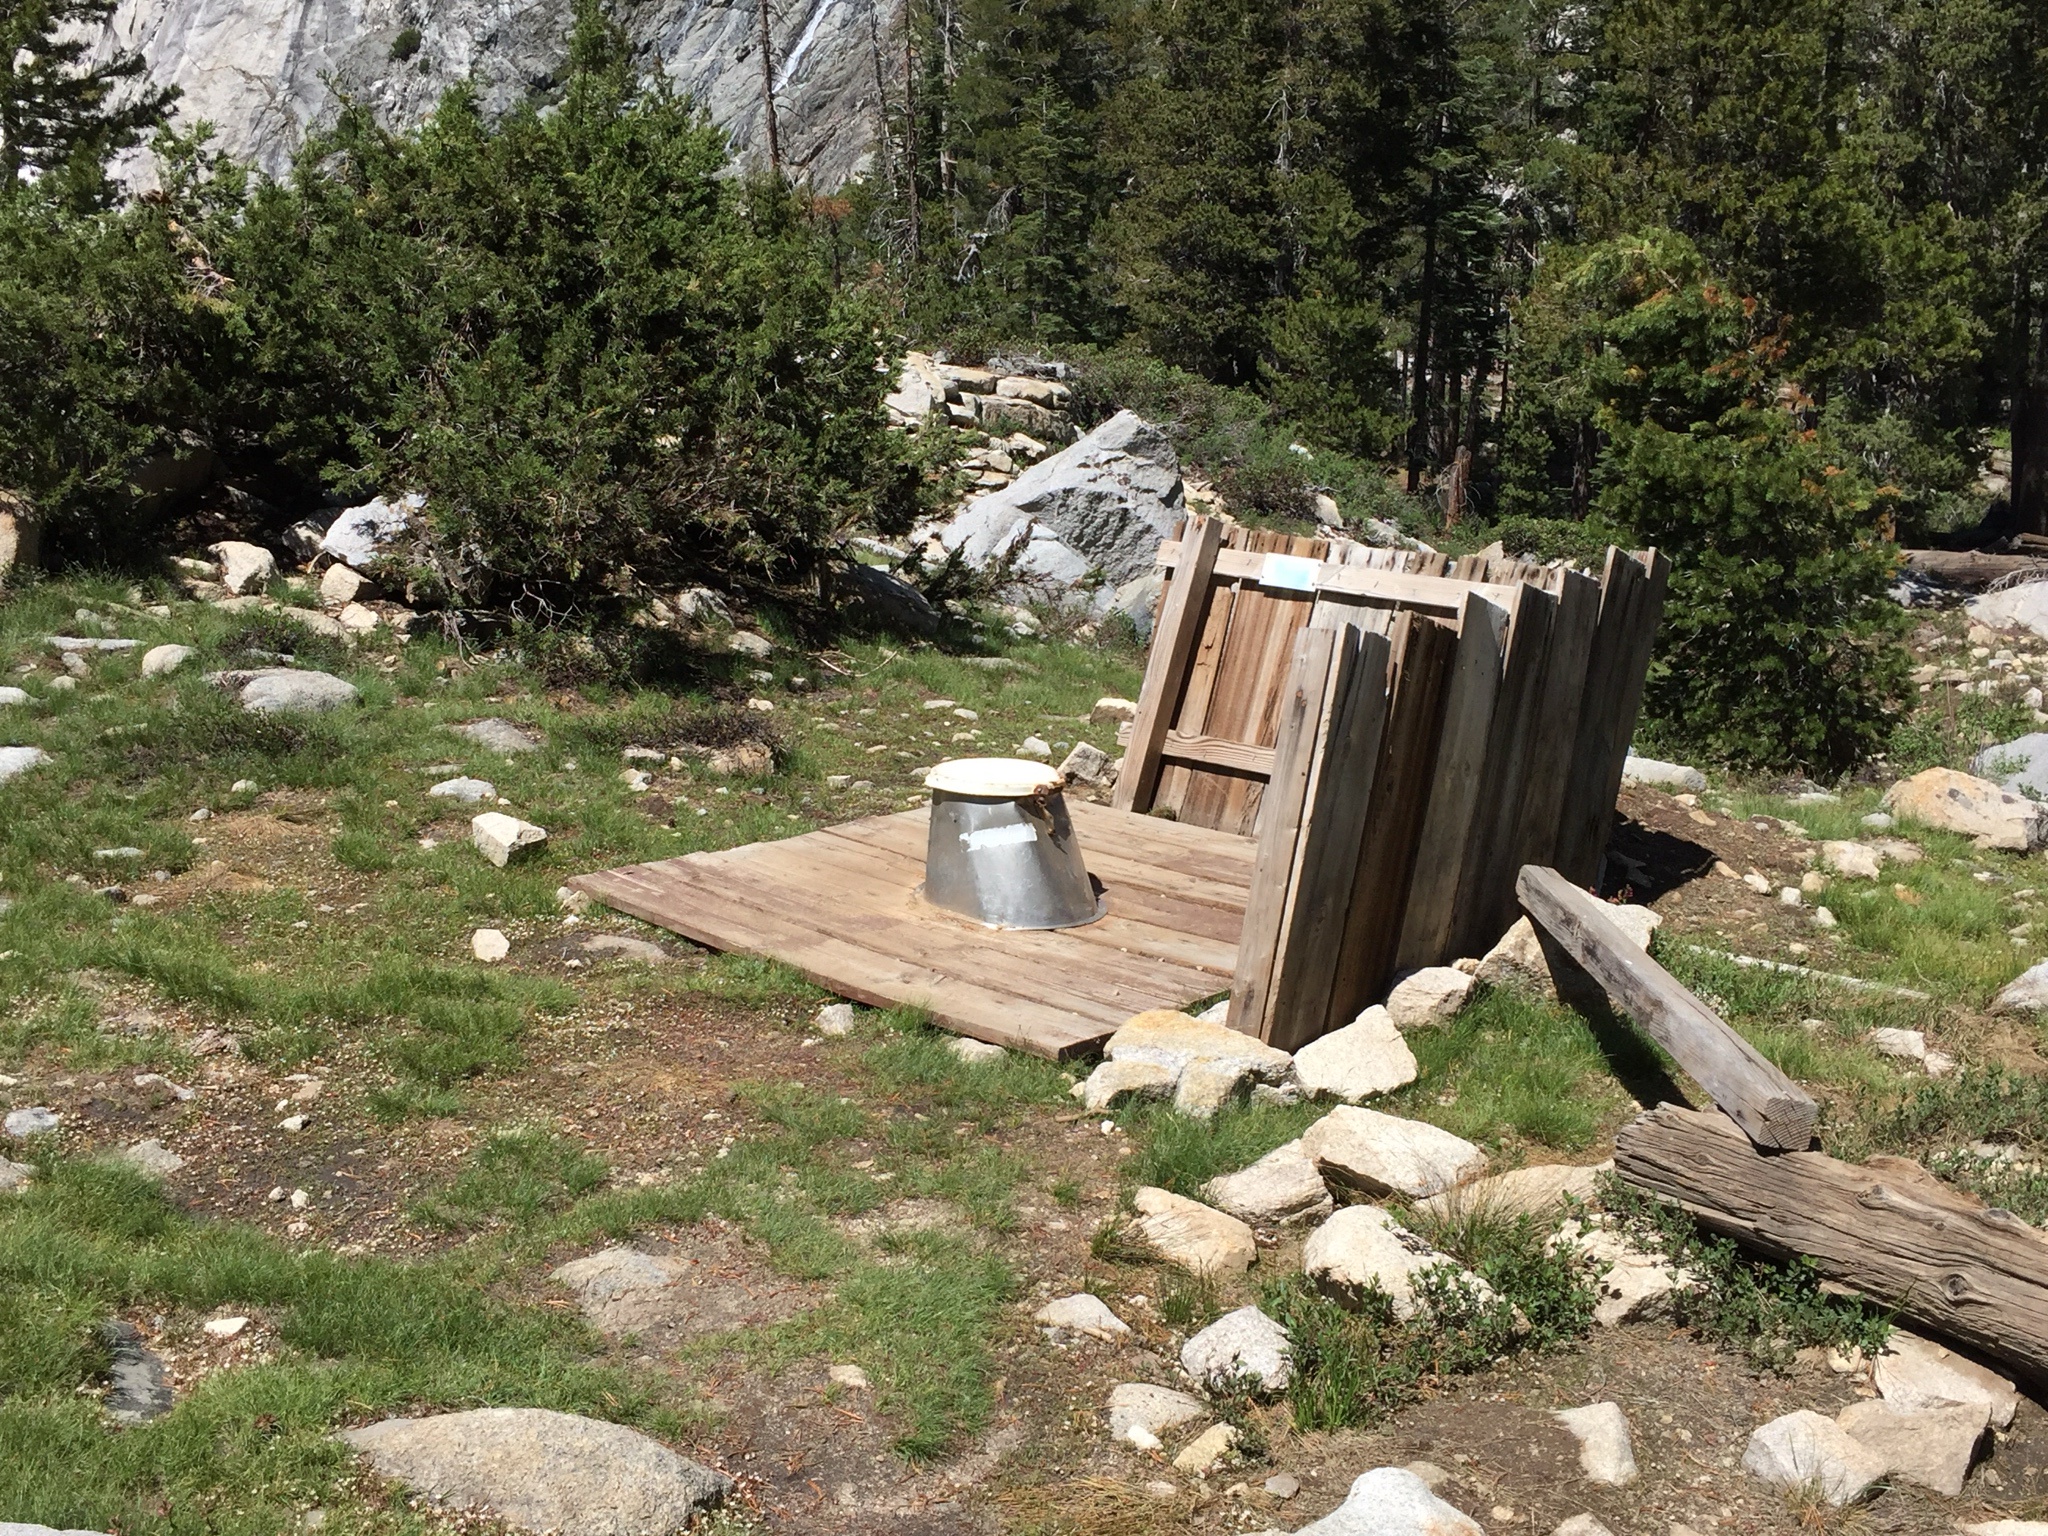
x=1189 y=1302
x=1116 y=1241
x=405 y=45
x=1356 y=1365
x=1767 y=1310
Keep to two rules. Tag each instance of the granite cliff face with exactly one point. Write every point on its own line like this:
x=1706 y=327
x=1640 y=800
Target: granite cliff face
x=263 y=71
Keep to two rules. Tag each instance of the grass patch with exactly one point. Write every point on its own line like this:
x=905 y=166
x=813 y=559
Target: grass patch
x=1512 y=1065
x=913 y=1060
x=516 y=1176
x=246 y=1449
x=1180 y=1153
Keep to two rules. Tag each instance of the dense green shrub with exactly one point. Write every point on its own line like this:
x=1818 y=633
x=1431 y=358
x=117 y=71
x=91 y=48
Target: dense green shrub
x=603 y=362
x=113 y=327
x=1779 y=643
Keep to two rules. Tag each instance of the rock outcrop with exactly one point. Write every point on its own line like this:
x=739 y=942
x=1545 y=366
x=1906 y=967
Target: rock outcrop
x=264 y=71
x=1081 y=523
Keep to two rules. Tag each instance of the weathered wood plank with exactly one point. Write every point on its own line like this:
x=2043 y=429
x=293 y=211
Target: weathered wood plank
x=1173 y=641
x=1346 y=761
x=1636 y=586
x=1772 y=1110
x=1384 y=869
x=1218 y=752
x=1113 y=944
x=1300 y=724
x=1973 y=569
x=1547 y=777
x=715 y=919
x=1427 y=926
x=840 y=906
x=1974 y=1275
x=1486 y=885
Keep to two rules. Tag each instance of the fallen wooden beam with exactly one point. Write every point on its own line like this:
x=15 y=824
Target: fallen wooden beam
x=1894 y=1233
x=1774 y=1111
x=1970 y=567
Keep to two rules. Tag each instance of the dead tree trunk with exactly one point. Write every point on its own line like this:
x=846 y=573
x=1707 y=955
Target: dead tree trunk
x=768 y=88
x=2030 y=424
x=1895 y=1233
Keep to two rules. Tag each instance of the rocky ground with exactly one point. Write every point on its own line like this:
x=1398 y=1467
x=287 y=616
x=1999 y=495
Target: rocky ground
x=807 y=1249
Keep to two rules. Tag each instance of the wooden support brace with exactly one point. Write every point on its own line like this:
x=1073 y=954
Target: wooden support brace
x=1775 y=1112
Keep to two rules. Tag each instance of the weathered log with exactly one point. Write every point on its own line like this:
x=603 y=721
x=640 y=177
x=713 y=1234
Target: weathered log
x=1775 y=1111
x=1891 y=1231
x=1971 y=568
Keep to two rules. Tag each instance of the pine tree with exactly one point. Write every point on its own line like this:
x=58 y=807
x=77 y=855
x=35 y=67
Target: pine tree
x=61 y=116
x=1267 y=161
x=1029 y=186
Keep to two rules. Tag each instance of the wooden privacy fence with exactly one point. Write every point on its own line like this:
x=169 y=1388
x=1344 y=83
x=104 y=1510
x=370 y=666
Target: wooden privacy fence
x=1401 y=732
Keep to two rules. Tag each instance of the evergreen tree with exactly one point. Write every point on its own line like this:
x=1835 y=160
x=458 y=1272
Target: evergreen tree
x=1267 y=157
x=1029 y=186
x=62 y=117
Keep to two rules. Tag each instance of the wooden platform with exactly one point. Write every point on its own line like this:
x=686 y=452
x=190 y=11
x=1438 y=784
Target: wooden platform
x=841 y=906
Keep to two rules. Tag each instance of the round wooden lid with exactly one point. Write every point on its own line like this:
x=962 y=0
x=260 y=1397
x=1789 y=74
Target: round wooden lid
x=992 y=778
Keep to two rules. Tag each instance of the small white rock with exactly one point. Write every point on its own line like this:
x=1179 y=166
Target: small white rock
x=1380 y=1155
x=1605 y=1454
x=160 y=660
x=1156 y=1409
x=1429 y=997
x=1139 y=1438
x=224 y=1327
x=1083 y=1313
x=1206 y=1451
x=501 y=838
x=1113 y=1081
x=1198 y=1238
x=1906 y=1044
x=1036 y=747
x=36 y=1120
x=489 y=945
x=243 y=567
x=1244 y=1348
x=1364 y=1058
x=294 y=1122
x=1913 y=1373
x=975 y=1052
x=834 y=1019
x=152 y=1159
x=1362 y=1248
x=467 y=790
x=1804 y=1449
x=851 y=1377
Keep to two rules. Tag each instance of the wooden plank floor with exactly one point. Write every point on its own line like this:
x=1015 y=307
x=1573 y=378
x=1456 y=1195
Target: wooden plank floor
x=842 y=906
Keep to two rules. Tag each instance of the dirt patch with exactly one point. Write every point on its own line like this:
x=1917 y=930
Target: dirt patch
x=695 y=1280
